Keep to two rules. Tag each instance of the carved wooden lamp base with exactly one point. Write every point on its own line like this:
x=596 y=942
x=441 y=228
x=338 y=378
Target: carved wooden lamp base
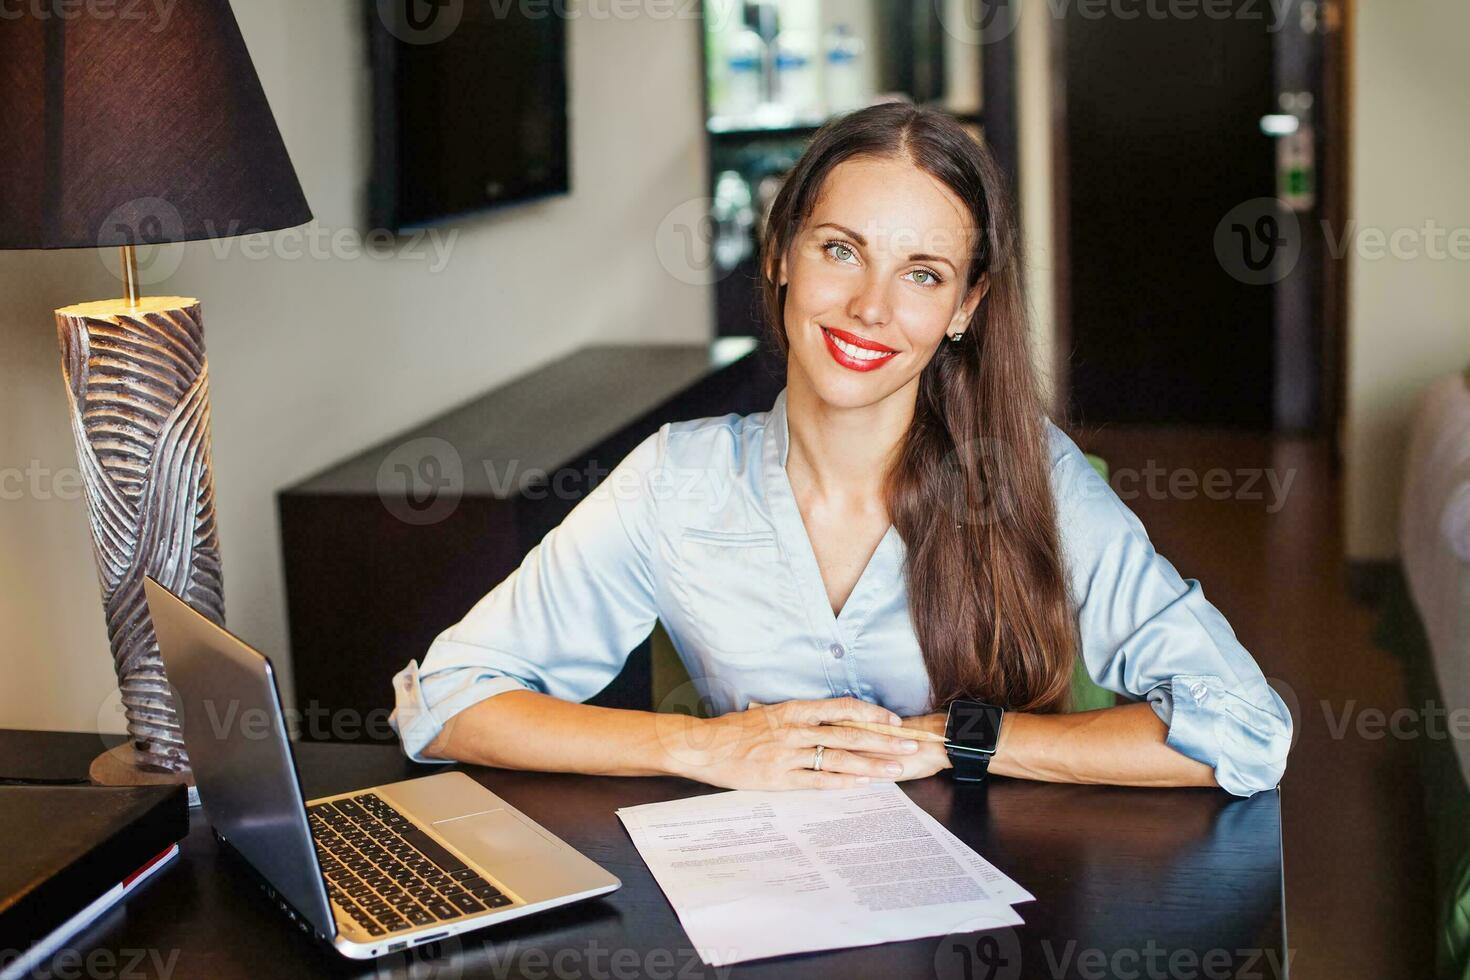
x=121 y=766
x=138 y=387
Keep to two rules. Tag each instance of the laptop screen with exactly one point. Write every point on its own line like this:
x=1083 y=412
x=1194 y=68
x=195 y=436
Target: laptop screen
x=235 y=733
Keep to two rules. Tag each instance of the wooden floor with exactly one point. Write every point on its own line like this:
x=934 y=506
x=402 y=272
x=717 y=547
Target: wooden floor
x=1358 y=894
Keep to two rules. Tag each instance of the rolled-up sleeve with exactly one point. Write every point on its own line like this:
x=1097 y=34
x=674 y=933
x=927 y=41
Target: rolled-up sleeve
x=1148 y=633
x=563 y=623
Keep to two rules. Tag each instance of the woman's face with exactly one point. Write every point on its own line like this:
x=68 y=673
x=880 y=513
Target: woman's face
x=876 y=280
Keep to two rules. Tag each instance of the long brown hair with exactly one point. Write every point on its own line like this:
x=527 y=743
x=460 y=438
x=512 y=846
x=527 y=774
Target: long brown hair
x=970 y=493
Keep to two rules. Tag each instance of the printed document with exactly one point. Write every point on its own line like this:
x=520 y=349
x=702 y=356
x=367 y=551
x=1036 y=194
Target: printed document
x=753 y=874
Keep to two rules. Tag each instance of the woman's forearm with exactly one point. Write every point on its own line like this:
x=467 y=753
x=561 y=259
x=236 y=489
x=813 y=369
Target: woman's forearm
x=529 y=730
x=1123 y=746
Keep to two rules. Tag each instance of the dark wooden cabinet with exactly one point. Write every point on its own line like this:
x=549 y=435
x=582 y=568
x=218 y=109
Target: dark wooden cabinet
x=387 y=549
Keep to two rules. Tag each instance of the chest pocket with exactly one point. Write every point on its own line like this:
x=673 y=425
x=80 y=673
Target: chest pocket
x=734 y=589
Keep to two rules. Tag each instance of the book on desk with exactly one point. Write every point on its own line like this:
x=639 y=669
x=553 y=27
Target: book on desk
x=73 y=852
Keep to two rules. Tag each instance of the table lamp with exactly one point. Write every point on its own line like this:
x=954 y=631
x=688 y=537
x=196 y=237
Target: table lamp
x=127 y=130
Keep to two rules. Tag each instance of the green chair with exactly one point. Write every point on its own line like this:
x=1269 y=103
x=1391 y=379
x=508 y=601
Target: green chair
x=1086 y=694
x=672 y=690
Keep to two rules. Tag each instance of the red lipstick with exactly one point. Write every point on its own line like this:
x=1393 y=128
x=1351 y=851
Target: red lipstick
x=851 y=362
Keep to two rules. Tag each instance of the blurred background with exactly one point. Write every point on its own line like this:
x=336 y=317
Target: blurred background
x=1247 y=230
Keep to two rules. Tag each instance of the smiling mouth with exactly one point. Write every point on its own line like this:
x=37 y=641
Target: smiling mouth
x=854 y=353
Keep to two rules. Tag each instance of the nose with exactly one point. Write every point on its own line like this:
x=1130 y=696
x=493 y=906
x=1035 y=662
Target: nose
x=870 y=303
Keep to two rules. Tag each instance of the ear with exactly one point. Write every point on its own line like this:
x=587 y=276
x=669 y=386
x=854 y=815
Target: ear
x=775 y=268
x=966 y=312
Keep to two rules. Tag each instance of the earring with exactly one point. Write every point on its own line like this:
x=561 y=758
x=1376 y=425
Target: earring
x=955 y=337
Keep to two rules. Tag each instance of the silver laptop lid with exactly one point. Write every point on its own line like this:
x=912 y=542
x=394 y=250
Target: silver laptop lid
x=235 y=732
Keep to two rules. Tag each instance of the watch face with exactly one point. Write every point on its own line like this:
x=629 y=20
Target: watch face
x=974 y=725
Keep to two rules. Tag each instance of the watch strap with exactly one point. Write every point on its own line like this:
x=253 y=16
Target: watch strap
x=969 y=765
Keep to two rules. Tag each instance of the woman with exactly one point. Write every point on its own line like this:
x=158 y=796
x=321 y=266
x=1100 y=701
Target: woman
x=904 y=528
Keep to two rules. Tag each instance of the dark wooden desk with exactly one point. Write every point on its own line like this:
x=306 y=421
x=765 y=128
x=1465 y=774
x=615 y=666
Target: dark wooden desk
x=1129 y=883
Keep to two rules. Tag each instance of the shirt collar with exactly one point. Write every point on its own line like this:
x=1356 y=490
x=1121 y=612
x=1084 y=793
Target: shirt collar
x=779 y=430
x=775 y=448
x=884 y=567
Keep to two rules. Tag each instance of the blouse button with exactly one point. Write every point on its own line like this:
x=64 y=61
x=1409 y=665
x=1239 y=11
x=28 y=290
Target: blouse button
x=837 y=651
x=1199 y=691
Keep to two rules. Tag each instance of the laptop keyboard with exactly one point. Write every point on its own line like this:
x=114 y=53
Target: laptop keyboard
x=386 y=874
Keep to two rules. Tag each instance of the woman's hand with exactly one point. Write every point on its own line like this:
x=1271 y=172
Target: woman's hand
x=931 y=757
x=772 y=747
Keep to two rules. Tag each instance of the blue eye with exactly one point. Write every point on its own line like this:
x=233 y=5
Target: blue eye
x=933 y=280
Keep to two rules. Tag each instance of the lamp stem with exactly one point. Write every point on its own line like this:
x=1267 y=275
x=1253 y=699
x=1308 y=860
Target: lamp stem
x=130 y=275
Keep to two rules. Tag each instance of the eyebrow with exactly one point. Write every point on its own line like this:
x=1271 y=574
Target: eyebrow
x=915 y=257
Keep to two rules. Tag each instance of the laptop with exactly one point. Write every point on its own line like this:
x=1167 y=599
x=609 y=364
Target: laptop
x=371 y=871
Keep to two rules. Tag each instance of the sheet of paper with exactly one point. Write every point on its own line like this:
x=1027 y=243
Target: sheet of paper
x=755 y=874
x=999 y=885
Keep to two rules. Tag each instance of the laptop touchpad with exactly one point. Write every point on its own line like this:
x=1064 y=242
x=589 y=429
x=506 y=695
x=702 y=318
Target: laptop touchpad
x=494 y=838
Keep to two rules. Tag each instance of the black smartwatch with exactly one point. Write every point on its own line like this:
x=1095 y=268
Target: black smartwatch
x=971 y=733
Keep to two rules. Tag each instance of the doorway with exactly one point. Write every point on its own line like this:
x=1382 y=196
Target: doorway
x=1190 y=260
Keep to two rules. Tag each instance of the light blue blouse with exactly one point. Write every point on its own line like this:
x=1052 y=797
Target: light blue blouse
x=698 y=528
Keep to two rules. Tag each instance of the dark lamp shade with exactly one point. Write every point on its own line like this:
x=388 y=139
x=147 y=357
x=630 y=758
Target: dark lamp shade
x=136 y=130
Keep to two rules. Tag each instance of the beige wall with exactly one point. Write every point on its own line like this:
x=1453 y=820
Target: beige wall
x=1034 y=108
x=1409 y=317
x=314 y=359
